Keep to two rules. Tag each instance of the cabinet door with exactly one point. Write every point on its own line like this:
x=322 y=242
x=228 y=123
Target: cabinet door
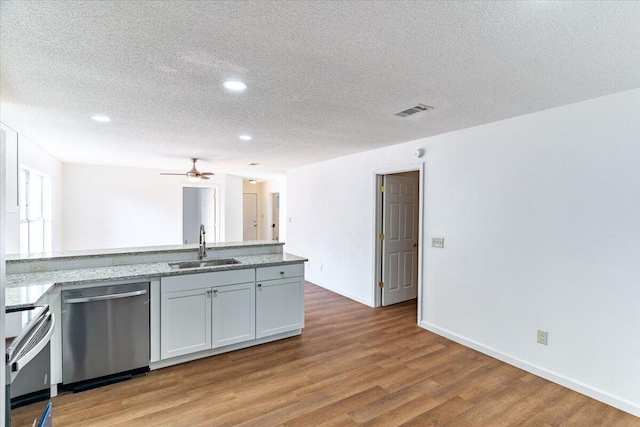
x=185 y=322
x=11 y=169
x=279 y=306
x=234 y=314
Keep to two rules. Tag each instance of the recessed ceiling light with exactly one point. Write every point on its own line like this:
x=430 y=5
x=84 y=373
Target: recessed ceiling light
x=253 y=181
x=245 y=137
x=234 y=85
x=101 y=118
x=254 y=164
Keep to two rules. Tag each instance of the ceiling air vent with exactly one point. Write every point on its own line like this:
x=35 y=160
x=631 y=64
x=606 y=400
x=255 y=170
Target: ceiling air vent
x=409 y=111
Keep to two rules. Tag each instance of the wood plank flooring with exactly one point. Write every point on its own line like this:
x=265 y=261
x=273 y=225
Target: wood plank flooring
x=353 y=365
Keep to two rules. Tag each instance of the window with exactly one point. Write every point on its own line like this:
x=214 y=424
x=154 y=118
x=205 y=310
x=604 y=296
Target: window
x=35 y=211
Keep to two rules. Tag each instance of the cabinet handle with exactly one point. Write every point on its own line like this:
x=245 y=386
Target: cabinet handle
x=259 y=285
x=215 y=291
x=282 y=272
x=208 y=293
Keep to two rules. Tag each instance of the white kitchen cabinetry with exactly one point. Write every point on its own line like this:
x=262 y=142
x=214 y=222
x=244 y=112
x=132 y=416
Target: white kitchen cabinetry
x=11 y=169
x=203 y=314
x=279 y=301
x=234 y=314
x=207 y=310
x=185 y=320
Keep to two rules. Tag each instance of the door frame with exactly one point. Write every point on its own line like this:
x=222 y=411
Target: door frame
x=217 y=218
x=377 y=256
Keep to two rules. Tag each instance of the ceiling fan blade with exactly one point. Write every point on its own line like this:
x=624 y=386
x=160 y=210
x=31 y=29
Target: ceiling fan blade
x=193 y=173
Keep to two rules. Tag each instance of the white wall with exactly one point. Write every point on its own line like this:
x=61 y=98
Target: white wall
x=32 y=156
x=112 y=207
x=2 y=270
x=540 y=215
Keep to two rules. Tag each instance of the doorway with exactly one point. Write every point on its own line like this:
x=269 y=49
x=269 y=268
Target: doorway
x=250 y=216
x=398 y=254
x=274 y=199
x=199 y=206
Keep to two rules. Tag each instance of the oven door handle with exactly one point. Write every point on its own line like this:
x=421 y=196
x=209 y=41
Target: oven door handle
x=105 y=297
x=17 y=365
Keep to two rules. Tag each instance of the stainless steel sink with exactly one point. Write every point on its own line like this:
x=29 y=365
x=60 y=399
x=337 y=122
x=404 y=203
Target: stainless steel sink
x=201 y=264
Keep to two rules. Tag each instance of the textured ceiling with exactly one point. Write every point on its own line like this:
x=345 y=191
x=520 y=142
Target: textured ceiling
x=324 y=77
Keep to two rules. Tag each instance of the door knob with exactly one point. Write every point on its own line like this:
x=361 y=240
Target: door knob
x=415 y=245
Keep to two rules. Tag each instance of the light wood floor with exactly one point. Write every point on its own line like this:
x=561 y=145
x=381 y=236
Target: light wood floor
x=353 y=365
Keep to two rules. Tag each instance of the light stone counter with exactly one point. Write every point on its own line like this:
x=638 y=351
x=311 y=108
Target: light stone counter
x=24 y=290
x=24 y=297
x=143 y=250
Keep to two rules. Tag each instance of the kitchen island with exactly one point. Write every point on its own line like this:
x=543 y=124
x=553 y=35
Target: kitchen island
x=194 y=312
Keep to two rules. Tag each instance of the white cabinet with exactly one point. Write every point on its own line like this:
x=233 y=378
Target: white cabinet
x=279 y=303
x=234 y=314
x=10 y=139
x=210 y=313
x=185 y=320
x=207 y=310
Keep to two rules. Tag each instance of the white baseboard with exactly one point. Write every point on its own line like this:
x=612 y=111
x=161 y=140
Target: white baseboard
x=593 y=392
x=343 y=293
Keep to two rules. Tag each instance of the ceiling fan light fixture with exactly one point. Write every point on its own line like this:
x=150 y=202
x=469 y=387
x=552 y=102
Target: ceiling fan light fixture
x=193 y=174
x=191 y=177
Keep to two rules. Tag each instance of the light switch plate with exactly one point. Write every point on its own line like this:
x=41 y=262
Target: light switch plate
x=437 y=242
x=119 y=261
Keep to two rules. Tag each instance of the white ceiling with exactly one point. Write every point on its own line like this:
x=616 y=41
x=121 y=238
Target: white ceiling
x=324 y=77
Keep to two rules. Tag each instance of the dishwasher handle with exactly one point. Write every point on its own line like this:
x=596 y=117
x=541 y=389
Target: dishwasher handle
x=37 y=341
x=105 y=297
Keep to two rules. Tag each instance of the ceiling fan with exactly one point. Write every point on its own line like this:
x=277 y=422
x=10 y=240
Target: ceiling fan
x=193 y=175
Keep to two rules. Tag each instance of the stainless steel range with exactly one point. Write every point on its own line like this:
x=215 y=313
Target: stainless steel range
x=28 y=360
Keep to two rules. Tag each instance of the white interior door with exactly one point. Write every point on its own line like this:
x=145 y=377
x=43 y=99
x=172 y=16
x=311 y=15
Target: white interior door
x=400 y=243
x=208 y=213
x=250 y=216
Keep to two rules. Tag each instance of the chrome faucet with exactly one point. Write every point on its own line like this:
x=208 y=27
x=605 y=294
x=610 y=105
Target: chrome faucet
x=202 y=250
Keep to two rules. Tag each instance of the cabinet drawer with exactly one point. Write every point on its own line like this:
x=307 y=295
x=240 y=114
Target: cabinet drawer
x=280 y=272
x=206 y=280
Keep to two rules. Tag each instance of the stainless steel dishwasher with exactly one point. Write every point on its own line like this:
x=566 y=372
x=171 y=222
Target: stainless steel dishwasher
x=105 y=331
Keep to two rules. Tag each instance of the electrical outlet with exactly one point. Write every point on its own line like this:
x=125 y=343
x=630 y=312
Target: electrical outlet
x=437 y=242
x=542 y=337
x=321 y=267
x=39 y=267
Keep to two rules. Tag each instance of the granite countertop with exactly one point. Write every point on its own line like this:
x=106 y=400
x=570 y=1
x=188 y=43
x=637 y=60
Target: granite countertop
x=146 y=250
x=24 y=297
x=25 y=290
